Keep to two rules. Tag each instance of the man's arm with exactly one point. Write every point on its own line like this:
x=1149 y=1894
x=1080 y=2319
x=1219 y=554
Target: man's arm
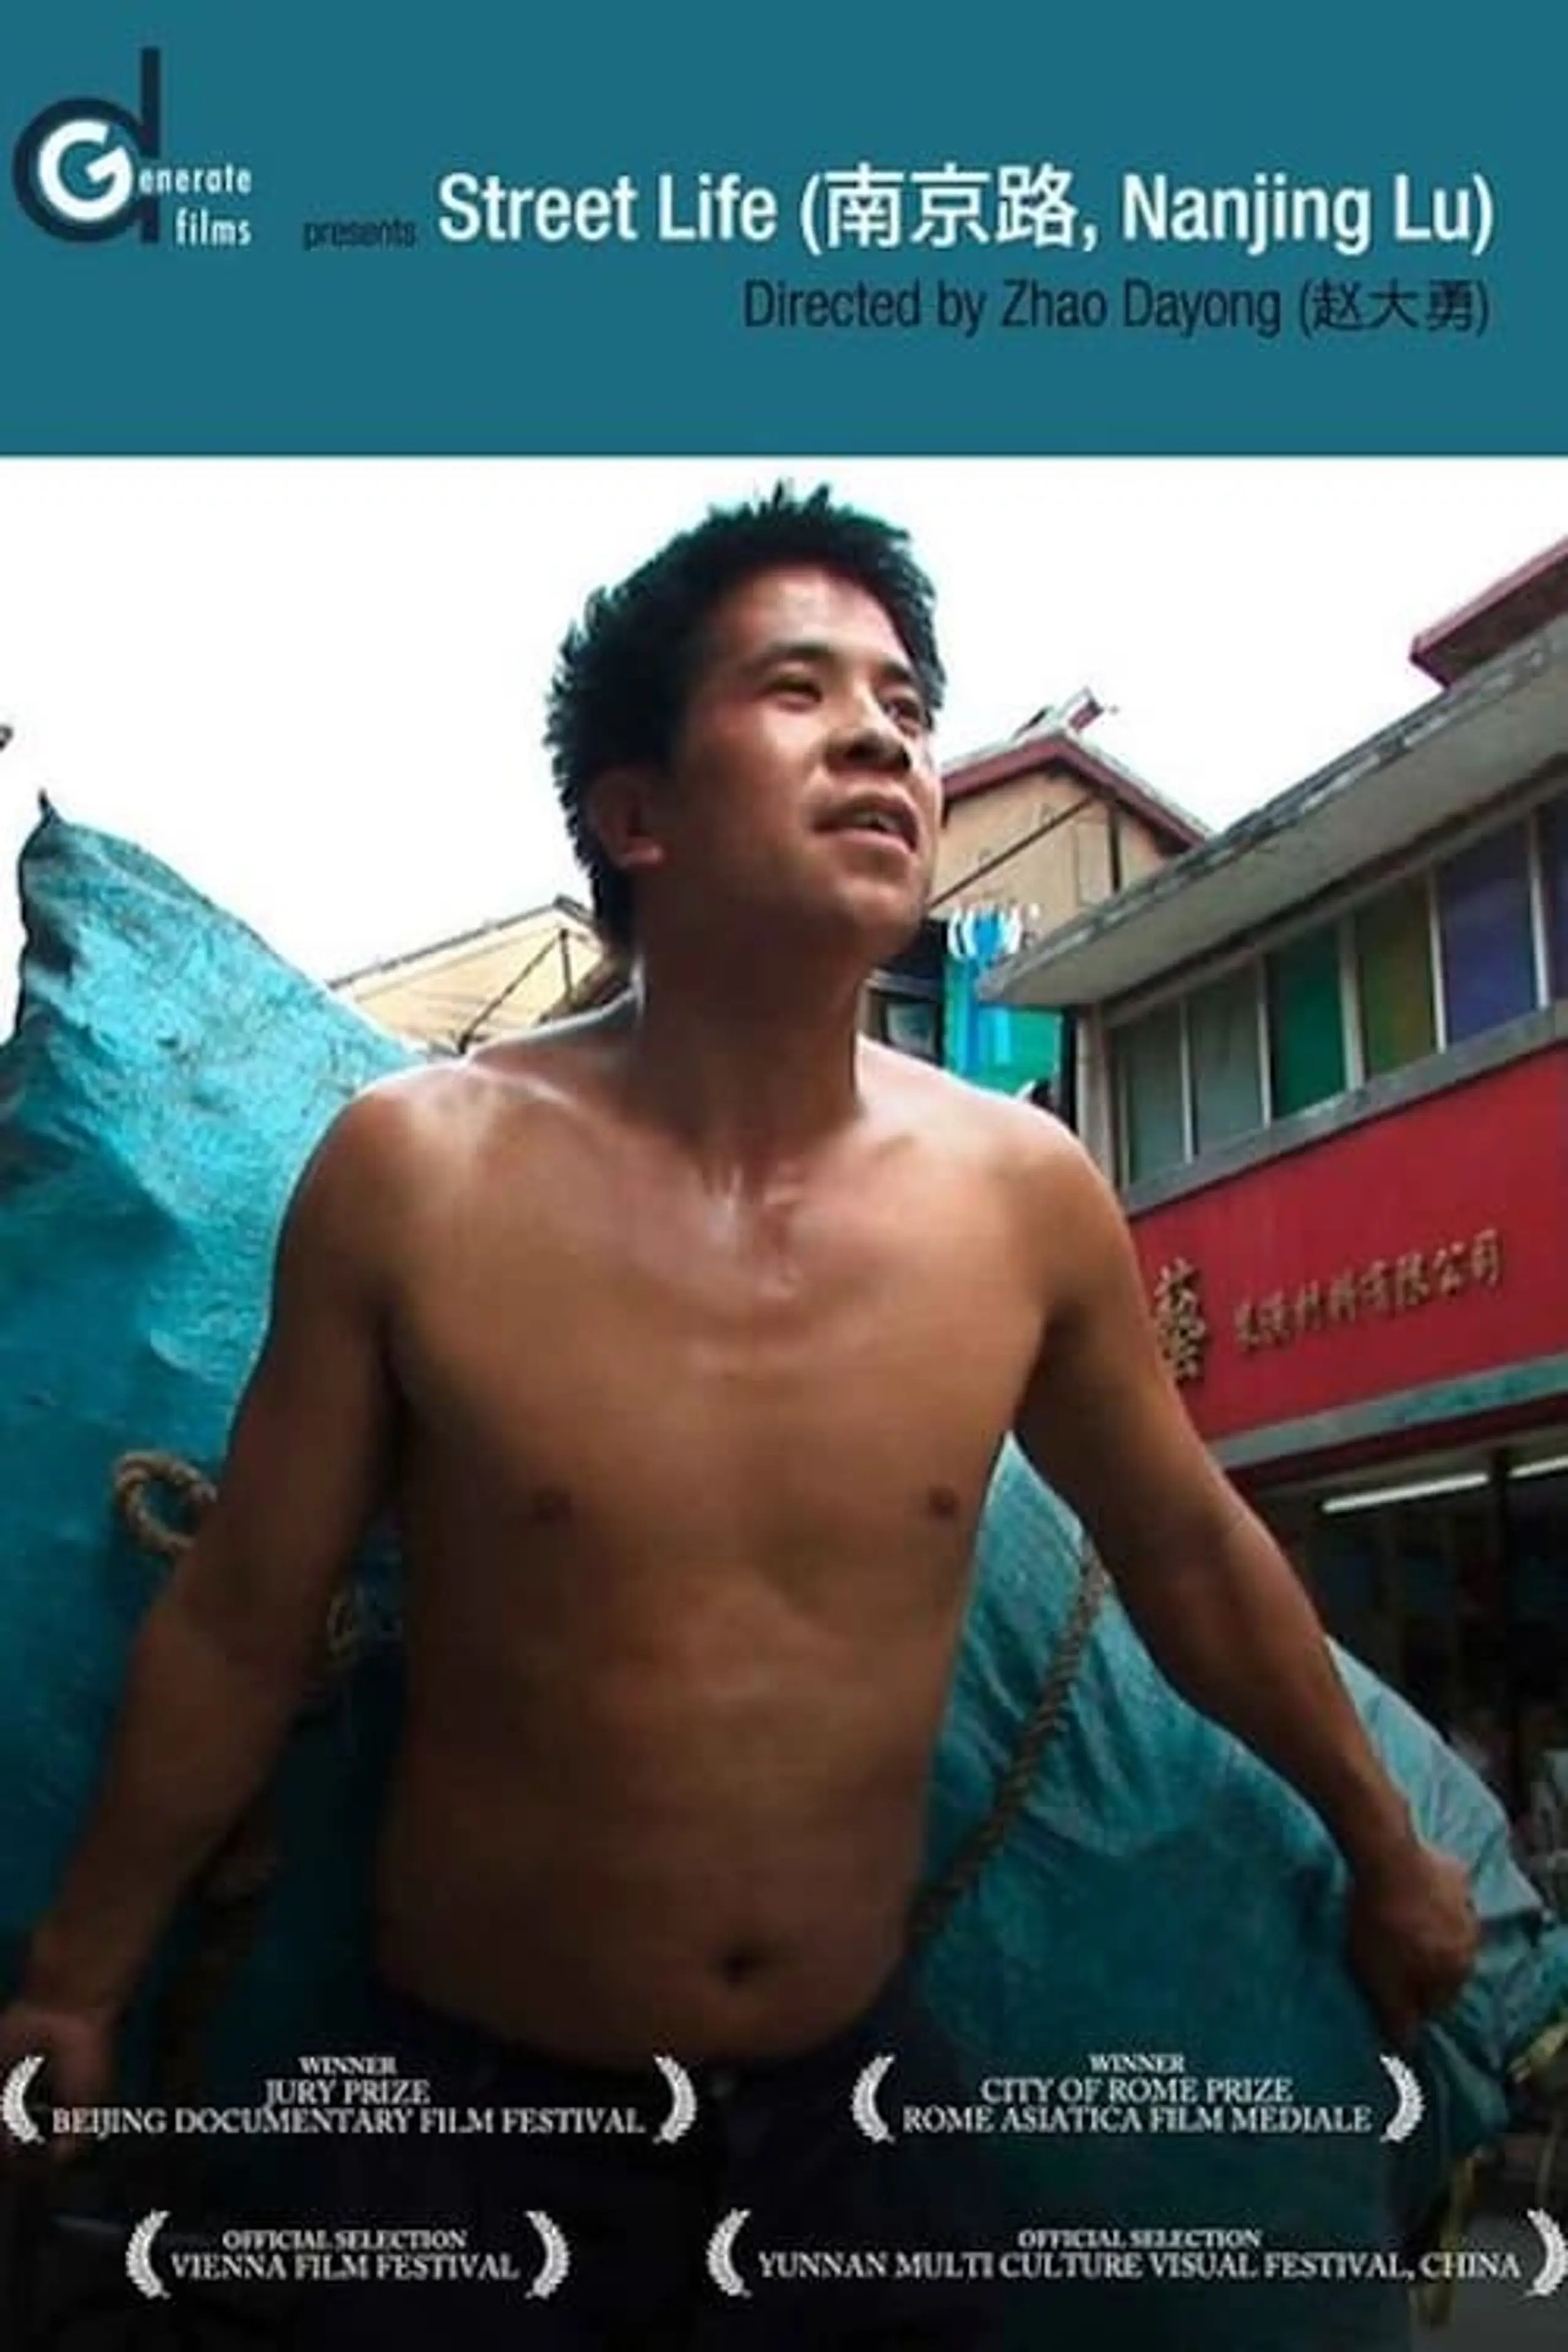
x=225 y=1652
x=1219 y=1607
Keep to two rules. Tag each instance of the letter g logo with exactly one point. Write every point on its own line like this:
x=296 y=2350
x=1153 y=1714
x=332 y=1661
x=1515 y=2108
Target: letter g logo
x=74 y=166
x=113 y=174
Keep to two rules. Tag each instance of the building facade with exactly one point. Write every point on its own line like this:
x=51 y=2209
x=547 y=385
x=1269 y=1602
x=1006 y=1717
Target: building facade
x=1035 y=831
x=490 y=982
x=1324 y=1056
x=1052 y=823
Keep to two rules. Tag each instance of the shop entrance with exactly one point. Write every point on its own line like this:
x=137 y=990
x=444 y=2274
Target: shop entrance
x=1448 y=1576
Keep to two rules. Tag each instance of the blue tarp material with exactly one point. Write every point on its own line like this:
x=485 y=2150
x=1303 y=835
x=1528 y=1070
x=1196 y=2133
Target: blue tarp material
x=167 y=1078
x=1162 y=1893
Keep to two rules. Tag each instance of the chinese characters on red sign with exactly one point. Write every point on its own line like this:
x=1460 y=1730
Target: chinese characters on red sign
x=1179 y=1321
x=1383 y=1287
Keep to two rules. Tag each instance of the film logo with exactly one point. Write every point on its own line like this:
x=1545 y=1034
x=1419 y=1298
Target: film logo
x=86 y=170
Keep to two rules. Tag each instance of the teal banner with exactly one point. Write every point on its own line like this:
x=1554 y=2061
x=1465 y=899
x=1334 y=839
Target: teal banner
x=471 y=230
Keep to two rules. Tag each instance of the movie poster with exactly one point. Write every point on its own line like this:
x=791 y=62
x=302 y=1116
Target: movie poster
x=783 y=1461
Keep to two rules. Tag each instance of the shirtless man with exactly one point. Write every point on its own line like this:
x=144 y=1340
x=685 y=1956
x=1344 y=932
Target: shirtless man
x=682 y=1341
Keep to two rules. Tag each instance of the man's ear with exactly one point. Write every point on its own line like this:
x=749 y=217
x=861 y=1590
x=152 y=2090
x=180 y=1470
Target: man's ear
x=624 y=810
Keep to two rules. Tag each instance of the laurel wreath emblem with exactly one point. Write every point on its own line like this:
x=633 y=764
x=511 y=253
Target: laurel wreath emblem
x=720 y=2251
x=864 y=2102
x=682 y=2101
x=139 y=2256
x=13 y=2100
x=1412 y=2104
x=557 y=2260
x=1554 y=2269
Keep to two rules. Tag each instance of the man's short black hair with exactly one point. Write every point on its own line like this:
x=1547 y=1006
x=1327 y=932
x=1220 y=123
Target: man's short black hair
x=626 y=668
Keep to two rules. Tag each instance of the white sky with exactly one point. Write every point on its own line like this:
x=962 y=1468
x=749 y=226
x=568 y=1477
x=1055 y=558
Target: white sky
x=316 y=688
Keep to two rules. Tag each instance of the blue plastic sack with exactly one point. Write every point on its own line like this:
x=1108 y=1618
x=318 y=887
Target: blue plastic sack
x=1160 y=1893
x=167 y=1078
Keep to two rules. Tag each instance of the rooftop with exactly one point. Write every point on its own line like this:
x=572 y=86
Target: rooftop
x=437 y=951
x=1500 y=725
x=1511 y=608
x=1054 y=737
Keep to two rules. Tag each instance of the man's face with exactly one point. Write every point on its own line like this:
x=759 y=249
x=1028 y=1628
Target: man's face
x=803 y=790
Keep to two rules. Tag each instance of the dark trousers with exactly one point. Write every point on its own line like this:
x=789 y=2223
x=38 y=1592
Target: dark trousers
x=774 y=2187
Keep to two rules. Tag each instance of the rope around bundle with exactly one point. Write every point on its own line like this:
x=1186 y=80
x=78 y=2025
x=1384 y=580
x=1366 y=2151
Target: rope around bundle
x=136 y=1475
x=231 y=1887
x=937 y=1900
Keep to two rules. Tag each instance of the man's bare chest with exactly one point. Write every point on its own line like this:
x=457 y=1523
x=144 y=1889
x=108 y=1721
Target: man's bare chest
x=725 y=1370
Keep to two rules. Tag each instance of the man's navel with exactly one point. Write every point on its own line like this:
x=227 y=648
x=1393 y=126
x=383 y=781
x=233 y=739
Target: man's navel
x=741 y=1962
x=549 y=1506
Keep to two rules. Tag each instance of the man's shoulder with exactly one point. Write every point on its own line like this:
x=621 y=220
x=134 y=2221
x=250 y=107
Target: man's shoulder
x=402 y=1158
x=1013 y=1136
x=390 y=1141
x=441 y=1107
x=408 y=1113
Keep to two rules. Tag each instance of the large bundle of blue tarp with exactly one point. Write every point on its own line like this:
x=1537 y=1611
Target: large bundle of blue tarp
x=166 y=1080
x=1161 y=1906
x=1160 y=1895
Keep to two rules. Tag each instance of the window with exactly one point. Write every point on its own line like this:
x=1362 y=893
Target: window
x=912 y=1027
x=1091 y=859
x=1149 y=1060
x=1193 y=1075
x=1306 y=1023
x=1554 y=876
x=1489 y=948
x=1222 y=1039
x=909 y=1022
x=1393 y=966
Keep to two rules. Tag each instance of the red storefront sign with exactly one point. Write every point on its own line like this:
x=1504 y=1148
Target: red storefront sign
x=1424 y=1245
